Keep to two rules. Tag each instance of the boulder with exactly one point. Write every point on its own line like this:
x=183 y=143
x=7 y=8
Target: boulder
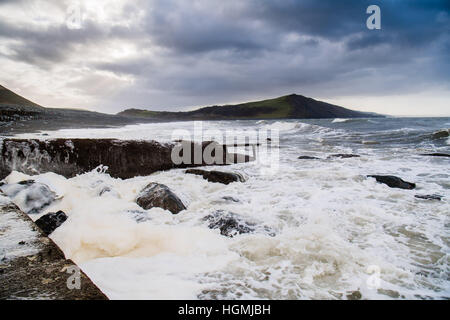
x=50 y=221
x=217 y=176
x=343 y=156
x=394 y=182
x=124 y=159
x=445 y=133
x=231 y=224
x=429 y=197
x=31 y=196
x=159 y=195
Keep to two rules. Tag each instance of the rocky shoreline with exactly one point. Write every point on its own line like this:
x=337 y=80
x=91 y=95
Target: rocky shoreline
x=124 y=160
x=33 y=267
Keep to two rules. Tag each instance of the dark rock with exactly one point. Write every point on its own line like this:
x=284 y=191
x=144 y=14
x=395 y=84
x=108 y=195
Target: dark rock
x=228 y=198
x=436 y=155
x=124 y=159
x=37 y=269
x=343 y=156
x=217 y=176
x=104 y=190
x=26 y=183
x=355 y=295
x=231 y=224
x=394 y=182
x=441 y=134
x=138 y=216
x=107 y=190
x=308 y=158
x=159 y=195
x=429 y=197
x=49 y=222
x=37 y=196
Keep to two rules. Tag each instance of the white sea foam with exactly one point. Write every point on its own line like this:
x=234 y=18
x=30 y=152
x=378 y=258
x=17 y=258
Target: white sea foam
x=338 y=120
x=333 y=227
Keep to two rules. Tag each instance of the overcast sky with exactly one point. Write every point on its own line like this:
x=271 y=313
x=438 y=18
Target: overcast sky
x=177 y=54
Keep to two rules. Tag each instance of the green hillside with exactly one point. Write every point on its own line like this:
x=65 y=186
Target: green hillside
x=287 y=107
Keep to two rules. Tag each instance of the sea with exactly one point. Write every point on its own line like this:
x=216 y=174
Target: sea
x=334 y=232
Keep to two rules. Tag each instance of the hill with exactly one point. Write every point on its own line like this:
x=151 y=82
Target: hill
x=287 y=107
x=18 y=114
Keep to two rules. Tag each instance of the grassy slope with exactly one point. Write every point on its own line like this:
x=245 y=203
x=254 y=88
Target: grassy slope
x=9 y=98
x=291 y=106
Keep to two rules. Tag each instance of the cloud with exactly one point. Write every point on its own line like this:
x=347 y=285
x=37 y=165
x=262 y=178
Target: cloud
x=175 y=54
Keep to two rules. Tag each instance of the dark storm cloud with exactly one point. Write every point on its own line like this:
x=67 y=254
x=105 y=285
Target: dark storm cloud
x=219 y=51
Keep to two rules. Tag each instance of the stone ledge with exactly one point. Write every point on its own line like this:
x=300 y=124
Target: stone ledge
x=32 y=267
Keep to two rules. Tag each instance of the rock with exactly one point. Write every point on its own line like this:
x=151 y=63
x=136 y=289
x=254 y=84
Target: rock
x=343 y=156
x=138 y=216
x=108 y=191
x=217 y=176
x=49 y=222
x=355 y=295
x=436 y=155
x=231 y=224
x=441 y=134
x=34 y=268
x=308 y=158
x=394 y=182
x=31 y=196
x=231 y=199
x=429 y=197
x=159 y=195
x=26 y=183
x=124 y=159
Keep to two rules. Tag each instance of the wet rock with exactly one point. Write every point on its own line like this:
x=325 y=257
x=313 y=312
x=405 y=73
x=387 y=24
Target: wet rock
x=231 y=224
x=49 y=222
x=138 y=216
x=231 y=199
x=308 y=158
x=108 y=191
x=159 y=195
x=217 y=176
x=394 y=182
x=436 y=155
x=124 y=159
x=355 y=295
x=31 y=196
x=343 y=156
x=34 y=268
x=429 y=197
x=441 y=134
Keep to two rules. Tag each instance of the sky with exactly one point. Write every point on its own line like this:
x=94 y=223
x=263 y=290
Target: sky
x=177 y=55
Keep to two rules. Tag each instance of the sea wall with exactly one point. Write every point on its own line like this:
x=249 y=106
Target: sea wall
x=32 y=266
x=124 y=159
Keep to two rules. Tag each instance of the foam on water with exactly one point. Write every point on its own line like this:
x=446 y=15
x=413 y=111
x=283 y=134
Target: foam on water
x=334 y=228
x=338 y=120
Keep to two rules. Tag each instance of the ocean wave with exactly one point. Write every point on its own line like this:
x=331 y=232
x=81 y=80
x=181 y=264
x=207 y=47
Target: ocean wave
x=345 y=120
x=285 y=125
x=339 y=120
